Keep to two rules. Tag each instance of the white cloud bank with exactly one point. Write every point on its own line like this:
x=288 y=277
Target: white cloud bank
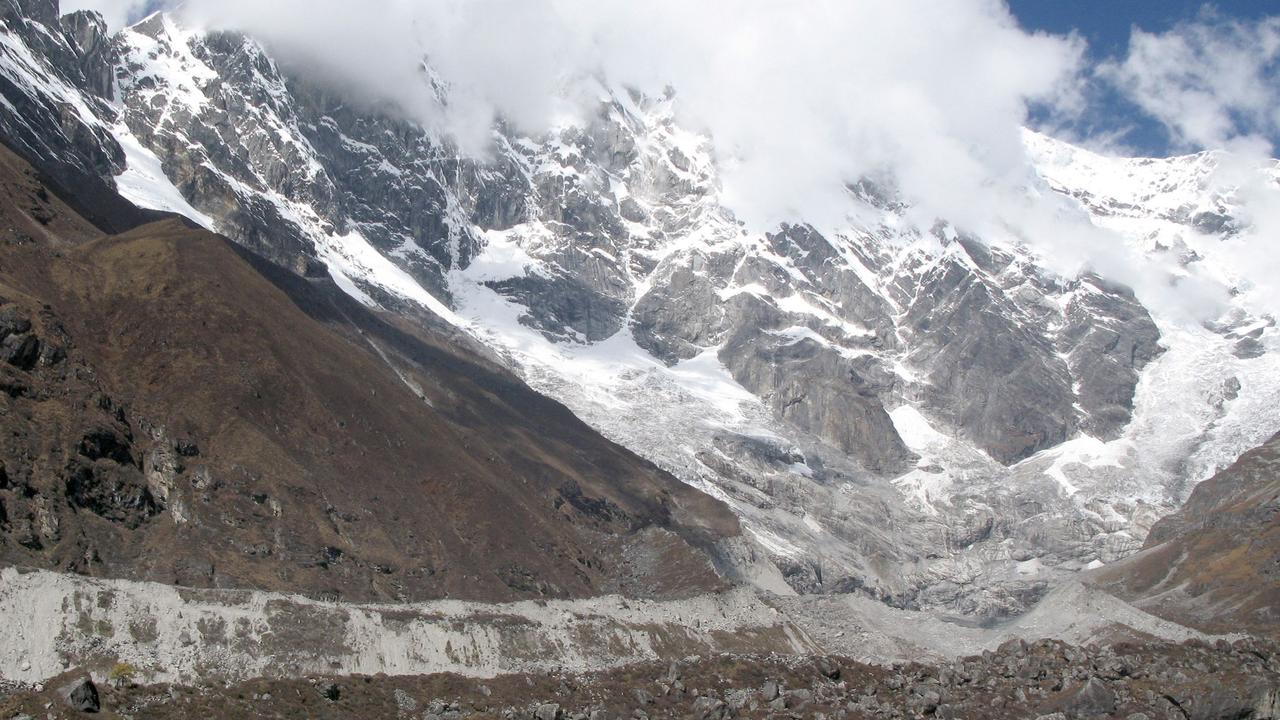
x=1212 y=83
x=800 y=97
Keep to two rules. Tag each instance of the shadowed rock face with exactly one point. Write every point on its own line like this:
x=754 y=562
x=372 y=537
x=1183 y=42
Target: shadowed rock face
x=1108 y=338
x=683 y=315
x=175 y=409
x=56 y=115
x=834 y=397
x=1215 y=564
x=989 y=370
x=814 y=382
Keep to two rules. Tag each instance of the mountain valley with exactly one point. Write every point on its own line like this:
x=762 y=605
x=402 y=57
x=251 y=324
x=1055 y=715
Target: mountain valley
x=298 y=394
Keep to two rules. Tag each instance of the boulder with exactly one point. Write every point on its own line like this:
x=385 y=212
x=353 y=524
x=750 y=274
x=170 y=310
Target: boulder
x=709 y=708
x=548 y=711
x=82 y=695
x=1093 y=699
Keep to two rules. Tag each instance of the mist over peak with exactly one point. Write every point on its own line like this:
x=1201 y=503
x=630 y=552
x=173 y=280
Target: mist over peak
x=798 y=102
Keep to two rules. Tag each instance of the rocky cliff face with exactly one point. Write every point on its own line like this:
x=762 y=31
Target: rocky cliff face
x=930 y=417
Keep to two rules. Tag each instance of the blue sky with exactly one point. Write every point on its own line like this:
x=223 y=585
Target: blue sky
x=1106 y=25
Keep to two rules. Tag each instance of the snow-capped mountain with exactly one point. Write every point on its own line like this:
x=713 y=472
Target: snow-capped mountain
x=934 y=418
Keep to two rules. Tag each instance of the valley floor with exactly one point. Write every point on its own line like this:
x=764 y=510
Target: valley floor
x=217 y=653
x=60 y=621
x=1019 y=680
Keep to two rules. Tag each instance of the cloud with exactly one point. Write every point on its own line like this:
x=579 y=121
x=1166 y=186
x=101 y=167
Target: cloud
x=1214 y=83
x=800 y=98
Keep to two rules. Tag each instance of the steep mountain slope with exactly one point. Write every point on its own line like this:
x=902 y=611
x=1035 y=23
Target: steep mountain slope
x=1217 y=401
x=1215 y=564
x=181 y=411
x=48 y=117
x=930 y=417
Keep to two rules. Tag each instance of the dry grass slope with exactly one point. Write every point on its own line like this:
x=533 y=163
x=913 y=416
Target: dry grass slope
x=195 y=415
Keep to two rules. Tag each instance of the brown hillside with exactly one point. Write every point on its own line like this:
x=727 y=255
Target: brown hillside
x=176 y=410
x=1215 y=564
